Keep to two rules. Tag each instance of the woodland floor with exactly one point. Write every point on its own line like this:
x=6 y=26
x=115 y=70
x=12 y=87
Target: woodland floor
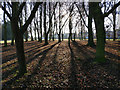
x=60 y=65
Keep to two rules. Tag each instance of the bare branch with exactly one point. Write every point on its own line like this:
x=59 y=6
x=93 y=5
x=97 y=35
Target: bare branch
x=32 y=15
x=21 y=8
x=81 y=15
x=6 y=12
x=110 y=11
x=9 y=4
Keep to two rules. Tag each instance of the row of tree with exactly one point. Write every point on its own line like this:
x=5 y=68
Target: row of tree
x=49 y=16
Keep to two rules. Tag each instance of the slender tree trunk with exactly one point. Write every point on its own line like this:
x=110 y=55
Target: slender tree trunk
x=59 y=35
x=46 y=35
x=35 y=35
x=114 y=19
x=26 y=33
x=26 y=36
x=62 y=36
x=41 y=23
x=12 y=42
x=54 y=25
x=70 y=30
x=31 y=26
x=38 y=33
x=5 y=28
x=35 y=29
x=81 y=31
x=53 y=36
x=31 y=32
x=70 y=26
x=74 y=35
x=99 y=24
x=71 y=35
x=50 y=22
x=90 y=32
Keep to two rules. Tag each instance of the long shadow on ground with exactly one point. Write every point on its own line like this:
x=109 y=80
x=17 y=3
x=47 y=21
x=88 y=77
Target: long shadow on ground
x=35 y=69
x=13 y=56
x=85 y=52
x=5 y=74
x=73 y=69
x=29 y=78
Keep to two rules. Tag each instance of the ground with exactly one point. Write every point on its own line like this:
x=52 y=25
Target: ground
x=60 y=65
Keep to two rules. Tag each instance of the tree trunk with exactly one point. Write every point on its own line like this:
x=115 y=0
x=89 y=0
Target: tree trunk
x=46 y=39
x=81 y=31
x=99 y=24
x=114 y=19
x=19 y=47
x=59 y=35
x=41 y=23
x=12 y=42
x=74 y=35
x=90 y=32
x=26 y=33
x=31 y=32
x=5 y=28
x=70 y=26
x=50 y=23
x=70 y=30
x=62 y=36
x=35 y=29
x=35 y=34
x=38 y=35
x=20 y=54
x=26 y=36
x=18 y=40
x=46 y=35
x=53 y=36
x=31 y=25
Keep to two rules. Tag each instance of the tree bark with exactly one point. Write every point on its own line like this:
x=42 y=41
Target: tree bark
x=53 y=36
x=99 y=24
x=59 y=34
x=20 y=54
x=70 y=30
x=12 y=42
x=5 y=28
x=26 y=33
x=90 y=32
x=38 y=33
x=114 y=19
x=41 y=23
x=50 y=23
x=35 y=27
x=18 y=40
x=31 y=32
x=81 y=31
x=46 y=35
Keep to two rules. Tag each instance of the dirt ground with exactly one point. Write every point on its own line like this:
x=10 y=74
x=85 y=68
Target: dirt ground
x=60 y=65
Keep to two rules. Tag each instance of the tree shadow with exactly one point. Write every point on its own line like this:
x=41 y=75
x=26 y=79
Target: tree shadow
x=5 y=74
x=73 y=68
x=13 y=56
x=29 y=78
x=35 y=69
x=83 y=49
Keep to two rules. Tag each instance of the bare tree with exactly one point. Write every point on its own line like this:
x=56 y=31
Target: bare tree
x=19 y=31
